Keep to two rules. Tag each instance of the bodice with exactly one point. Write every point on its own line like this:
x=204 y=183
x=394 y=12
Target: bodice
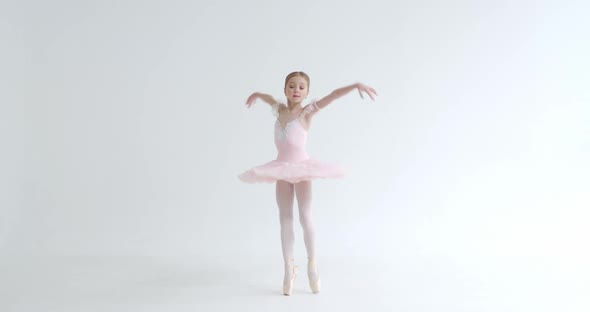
x=290 y=141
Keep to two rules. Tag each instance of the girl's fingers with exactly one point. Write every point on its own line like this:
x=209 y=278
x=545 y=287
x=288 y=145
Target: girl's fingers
x=371 y=92
x=250 y=101
x=368 y=91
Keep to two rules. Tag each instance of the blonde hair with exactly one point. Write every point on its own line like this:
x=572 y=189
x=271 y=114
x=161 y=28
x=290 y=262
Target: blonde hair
x=295 y=74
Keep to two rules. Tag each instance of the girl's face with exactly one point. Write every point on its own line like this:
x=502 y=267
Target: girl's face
x=296 y=89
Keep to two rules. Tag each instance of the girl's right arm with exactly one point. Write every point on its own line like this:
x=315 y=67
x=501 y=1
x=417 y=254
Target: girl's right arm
x=264 y=97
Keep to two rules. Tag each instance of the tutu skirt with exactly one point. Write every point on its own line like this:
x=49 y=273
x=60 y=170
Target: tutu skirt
x=293 y=172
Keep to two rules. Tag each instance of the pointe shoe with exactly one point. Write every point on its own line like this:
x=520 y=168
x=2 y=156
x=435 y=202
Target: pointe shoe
x=314 y=277
x=288 y=284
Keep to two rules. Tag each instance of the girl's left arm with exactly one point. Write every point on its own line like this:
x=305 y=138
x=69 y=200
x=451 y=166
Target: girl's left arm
x=344 y=90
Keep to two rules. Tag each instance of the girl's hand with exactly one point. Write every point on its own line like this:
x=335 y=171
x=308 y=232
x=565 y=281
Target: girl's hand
x=251 y=99
x=368 y=90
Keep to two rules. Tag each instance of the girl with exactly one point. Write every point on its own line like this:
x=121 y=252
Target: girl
x=293 y=170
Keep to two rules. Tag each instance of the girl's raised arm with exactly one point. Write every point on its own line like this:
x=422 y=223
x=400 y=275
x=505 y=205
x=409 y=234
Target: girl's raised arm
x=264 y=97
x=344 y=90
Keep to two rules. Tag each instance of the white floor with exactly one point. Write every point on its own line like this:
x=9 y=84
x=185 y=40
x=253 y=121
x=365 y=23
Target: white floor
x=140 y=283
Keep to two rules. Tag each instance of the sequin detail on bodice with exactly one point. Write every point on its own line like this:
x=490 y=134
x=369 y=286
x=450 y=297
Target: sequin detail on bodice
x=291 y=140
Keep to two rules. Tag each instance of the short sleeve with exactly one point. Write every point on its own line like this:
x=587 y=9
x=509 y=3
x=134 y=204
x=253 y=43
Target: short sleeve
x=275 y=109
x=311 y=108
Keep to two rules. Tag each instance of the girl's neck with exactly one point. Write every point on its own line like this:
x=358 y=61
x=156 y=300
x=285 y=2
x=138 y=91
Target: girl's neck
x=293 y=106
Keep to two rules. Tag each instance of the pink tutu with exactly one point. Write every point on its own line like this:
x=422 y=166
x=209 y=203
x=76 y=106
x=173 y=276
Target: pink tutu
x=292 y=163
x=292 y=172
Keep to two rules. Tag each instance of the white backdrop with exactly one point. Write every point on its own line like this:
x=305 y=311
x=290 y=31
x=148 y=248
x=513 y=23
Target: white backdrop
x=468 y=174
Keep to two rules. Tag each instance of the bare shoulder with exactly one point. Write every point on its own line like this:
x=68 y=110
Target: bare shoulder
x=282 y=107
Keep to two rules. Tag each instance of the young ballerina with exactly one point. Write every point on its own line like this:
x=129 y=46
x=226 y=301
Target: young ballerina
x=293 y=169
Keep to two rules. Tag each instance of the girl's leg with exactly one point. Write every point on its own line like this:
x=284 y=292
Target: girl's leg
x=284 y=192
x=303 y=191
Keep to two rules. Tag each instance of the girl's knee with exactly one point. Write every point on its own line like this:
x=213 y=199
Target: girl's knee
x=304 y=219
x=286 y=219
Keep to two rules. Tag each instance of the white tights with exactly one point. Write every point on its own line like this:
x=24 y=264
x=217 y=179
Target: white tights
x=285 y=192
